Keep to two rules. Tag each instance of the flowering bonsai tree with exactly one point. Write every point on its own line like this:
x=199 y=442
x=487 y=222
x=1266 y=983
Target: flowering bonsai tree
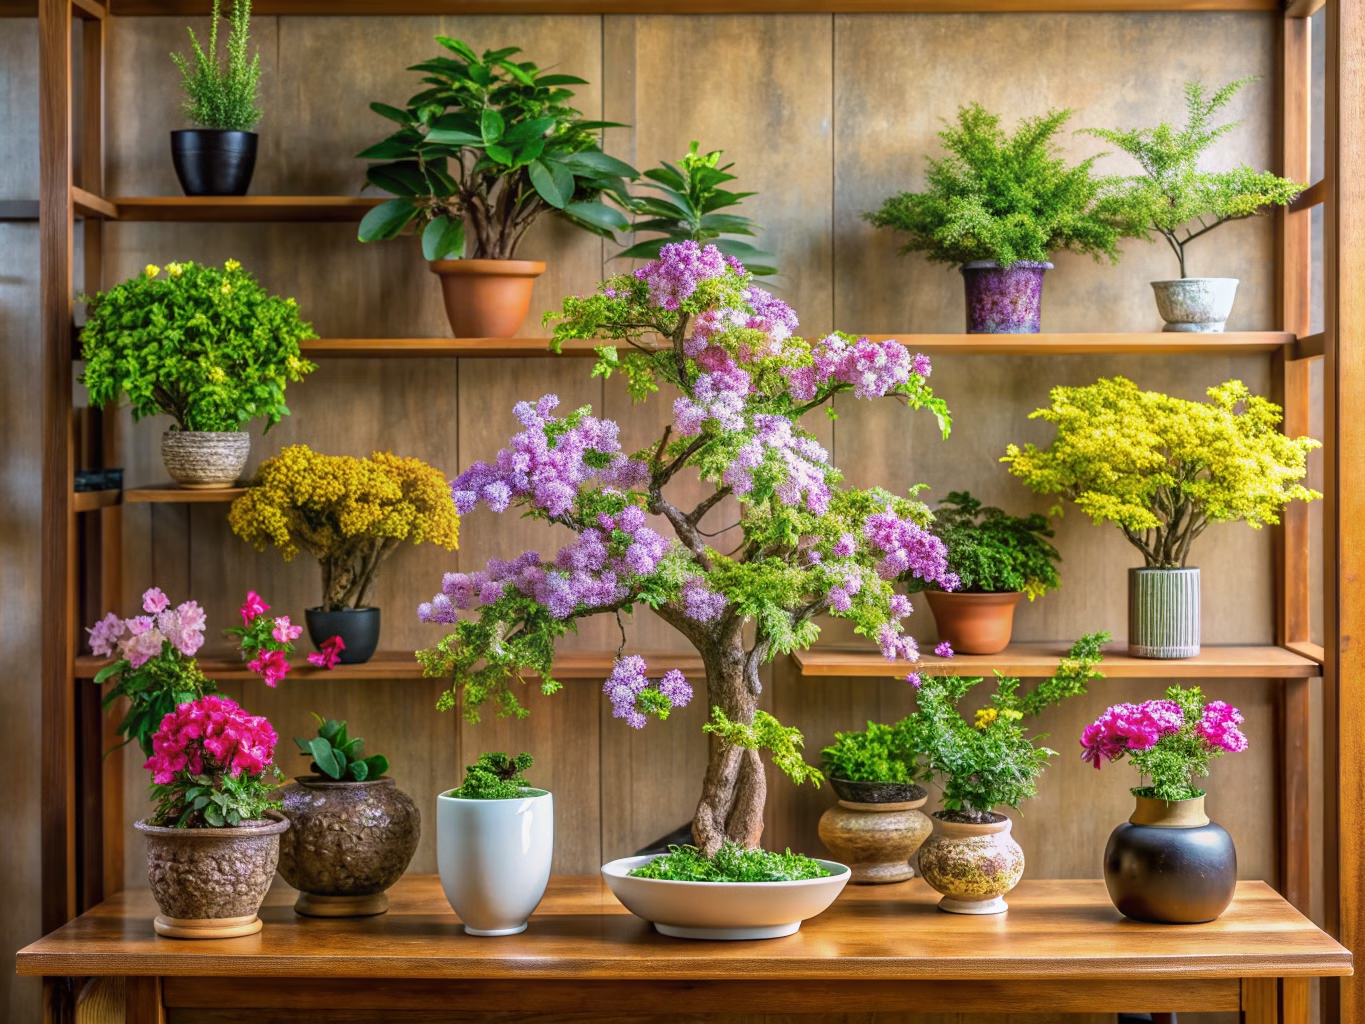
x=804 y=546
x=1169 y=741
x=1164 y=468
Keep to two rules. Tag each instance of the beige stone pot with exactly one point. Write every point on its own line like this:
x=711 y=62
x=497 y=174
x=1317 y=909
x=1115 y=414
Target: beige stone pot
x=209 y=882
x=972 y=865
x=876 y=840
x=205 y=459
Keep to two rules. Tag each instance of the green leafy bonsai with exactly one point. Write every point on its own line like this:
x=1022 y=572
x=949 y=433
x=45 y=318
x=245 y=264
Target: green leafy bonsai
x=991 y=551
x=1003 y=198
x=222 y=97
x=1172 y=197
x=880 y=753
x=732 y=863
x=486 y=148
x=687 y=207
x=497 y=777
x=208 y=347
x=338 y=756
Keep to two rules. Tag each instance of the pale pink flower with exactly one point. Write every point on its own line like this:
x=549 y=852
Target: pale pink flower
x=154 y=601
x=105 y=635
x=285 y=631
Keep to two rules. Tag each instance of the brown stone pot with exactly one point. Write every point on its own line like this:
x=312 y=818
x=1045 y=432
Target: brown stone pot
x=209 y=882
x=349 y=842
x=876 y=839
x=972 y=864
x=487 y=298
x=974 y=623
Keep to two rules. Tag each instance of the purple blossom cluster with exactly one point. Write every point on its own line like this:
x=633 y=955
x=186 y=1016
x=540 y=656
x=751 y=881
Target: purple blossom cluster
x=144 y=637
x=628 y=682
x=548 y=463
x=803 y=461
x=873 y=368
x=718 y=394
x=681 y=266
x=766 y=313
x=909 y=548
x=700 y=602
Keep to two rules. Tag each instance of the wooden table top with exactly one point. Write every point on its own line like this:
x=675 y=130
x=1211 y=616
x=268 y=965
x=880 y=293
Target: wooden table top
x=1054 y=929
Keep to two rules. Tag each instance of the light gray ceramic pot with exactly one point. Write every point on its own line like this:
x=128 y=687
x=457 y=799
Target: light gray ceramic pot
x=1199 y=305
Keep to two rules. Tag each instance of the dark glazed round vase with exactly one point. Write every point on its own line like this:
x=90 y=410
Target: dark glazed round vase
x=357 y=627
x=1169 y=864
x=1004 y=300
x=212 y=162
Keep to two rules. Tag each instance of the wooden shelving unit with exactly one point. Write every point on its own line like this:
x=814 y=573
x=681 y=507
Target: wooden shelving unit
x=225 y=209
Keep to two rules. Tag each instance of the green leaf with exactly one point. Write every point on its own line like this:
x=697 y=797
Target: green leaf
x=303 y=745
x=332 y=731
x=546 y=184
x=377 y=765
x=402 y=179
x=453 y=137
x=501 y=154
x=214 y=816
x=491 y=125
x=532 y=129
x=596 y=160
x=325 y=758
x=549 y=80
x=386 y=220
x=392 y=113
x=443 y=239
x=110 y=670
x=599 y=215
x=460 y=47
x=516 y=72
x=358 y=770
x=392 y=148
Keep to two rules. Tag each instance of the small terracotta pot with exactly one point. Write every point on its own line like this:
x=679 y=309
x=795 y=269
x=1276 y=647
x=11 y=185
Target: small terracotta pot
x=487 y=298
x=972 y=864
x=974 y=623
x=349 y=841
x=209 y=882
x=205 y=459
x=876 y=839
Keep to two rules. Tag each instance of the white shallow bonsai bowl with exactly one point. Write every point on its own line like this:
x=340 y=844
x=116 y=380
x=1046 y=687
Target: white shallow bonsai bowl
x=723 y=910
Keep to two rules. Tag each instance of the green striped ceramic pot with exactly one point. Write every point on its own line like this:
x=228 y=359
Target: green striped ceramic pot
x=1163 y=613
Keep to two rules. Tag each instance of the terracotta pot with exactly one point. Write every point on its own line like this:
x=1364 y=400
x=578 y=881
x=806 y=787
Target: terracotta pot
x=876 y=839
x=209 y=882
x=487 y=298
x=974 y=623
x=972 y=864
x=205 y=459
x=348 y=842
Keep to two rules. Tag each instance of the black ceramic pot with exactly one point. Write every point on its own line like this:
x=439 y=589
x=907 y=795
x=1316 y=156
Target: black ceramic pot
x=357 y=627
x=210 y=162
x=876 y=792
x=1170 y=865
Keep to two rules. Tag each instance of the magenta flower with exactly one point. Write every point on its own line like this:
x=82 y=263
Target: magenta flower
x=211 y=735
x=271 y=666
x=329 y=655
x=252 y=607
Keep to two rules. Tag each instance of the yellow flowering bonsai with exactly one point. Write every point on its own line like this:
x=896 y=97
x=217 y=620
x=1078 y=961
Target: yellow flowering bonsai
x=348 y=513
x=1164 y=468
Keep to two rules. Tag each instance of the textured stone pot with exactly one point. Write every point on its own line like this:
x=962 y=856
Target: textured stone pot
x=1163 y=613
x=494 y=858
x=972 y=865
x=1169 y=864
x=876 y=836
x=209 y=882
x=974 y=623
x=487 y=298
x=213 y=161
x=1004 y=301
x=1199 y=305
x=205 y=459
x=347 y=843
x=357 y=627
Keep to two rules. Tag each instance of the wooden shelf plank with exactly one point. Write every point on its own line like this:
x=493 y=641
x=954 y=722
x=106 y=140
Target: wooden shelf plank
x=427 y=348
x=89 y=501
x=1036 y=660
x=171 y=494
x=87 y=204
x=259 y=209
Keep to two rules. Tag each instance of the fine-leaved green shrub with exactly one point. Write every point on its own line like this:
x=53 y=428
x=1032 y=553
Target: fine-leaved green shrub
x=216 y=96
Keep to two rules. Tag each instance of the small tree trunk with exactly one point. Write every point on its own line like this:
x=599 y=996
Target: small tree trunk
x=735 y=789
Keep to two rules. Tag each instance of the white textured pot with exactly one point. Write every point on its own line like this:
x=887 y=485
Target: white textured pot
x=1163 y=613
x=1200 y=305
x=723 y=910
x=494 y=858
x=205 y=459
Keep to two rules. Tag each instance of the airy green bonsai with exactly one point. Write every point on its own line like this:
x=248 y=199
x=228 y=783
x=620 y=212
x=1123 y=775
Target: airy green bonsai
x=1003 y=198
x=731 y=863
x=1172 y=196
x=1164 y=468
x=687 y=207
x=880 y=753
x=208 y=347
x=497 y=777
x=222 y=97
x=991 y=551
x=488 y=147
x=338 y=756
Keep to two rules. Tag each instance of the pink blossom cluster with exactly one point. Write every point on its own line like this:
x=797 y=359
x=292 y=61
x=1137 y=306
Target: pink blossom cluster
x=873 y=368
x=1130 y=729
x=144 y=637
x=629 y=680
x=208 y=736
x=270 y=663
x=1218 y=727
x=909 y=548
x=547 y=462
x=680 y=268
x=801 y=461
x=330 y=654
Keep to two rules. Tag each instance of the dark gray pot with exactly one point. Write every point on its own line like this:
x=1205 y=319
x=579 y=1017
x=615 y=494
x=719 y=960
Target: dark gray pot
x=1171 y=874
x=213 y=162
x=357 y=627
x=876 y=792
x=1163 y=613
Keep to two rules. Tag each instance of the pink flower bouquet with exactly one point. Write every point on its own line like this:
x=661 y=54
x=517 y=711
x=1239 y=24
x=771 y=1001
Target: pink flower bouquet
x=268 y=641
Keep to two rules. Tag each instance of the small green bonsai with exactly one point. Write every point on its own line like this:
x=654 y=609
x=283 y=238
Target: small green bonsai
x=218 y=97
x=496 y=777
x=732 y=863
x=991 y=551
x=687 y=207
x=338 y=756
x=1003 y=198
x=881 y=753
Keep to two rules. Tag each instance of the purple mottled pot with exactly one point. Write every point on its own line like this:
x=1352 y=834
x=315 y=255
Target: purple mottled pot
x=1001 y=301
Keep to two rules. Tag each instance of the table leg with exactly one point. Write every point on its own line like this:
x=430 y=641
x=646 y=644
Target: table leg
x=143 y=1002
x=57 y=1001
x=1260 y=1002
x=1294 y=1000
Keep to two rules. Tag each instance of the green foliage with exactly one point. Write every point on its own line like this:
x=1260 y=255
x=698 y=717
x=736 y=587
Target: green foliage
x=216 y=96
x=1003 y=198
x=1176 y=759
x=495 y=777
x=1163 y=468
x=153 y=690
x=880 y=753
x=783 y=743
x=486 y=148
x=219 y=800
x=991 y=551
x=208 y=347
x=732 y=863
x=1172 y=196
x=687 y=207
x=339 y=756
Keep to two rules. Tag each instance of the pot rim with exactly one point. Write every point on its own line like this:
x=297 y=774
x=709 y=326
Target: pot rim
x=527 y=793
x=1186 y=280
x=979 y=828
x=273 y=824
x=983 y=596
x=175 y=431
x=1150 y=568
x=619 y=868
x=324 y=782
x=920 y=792
x=212 y=131
x=318 y=610
x=994 y=265
x=487 y=268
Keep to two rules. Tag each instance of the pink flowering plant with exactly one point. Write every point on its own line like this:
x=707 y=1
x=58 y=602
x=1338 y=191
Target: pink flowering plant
x=740 y=381
x=212 y=765
x=268 y=640
x=1170 y=742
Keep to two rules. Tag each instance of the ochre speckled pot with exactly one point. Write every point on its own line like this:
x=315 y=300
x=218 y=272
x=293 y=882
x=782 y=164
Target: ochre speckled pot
x=973 y=865
x=876 y=839
x=209 y=882
x=349 y=842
